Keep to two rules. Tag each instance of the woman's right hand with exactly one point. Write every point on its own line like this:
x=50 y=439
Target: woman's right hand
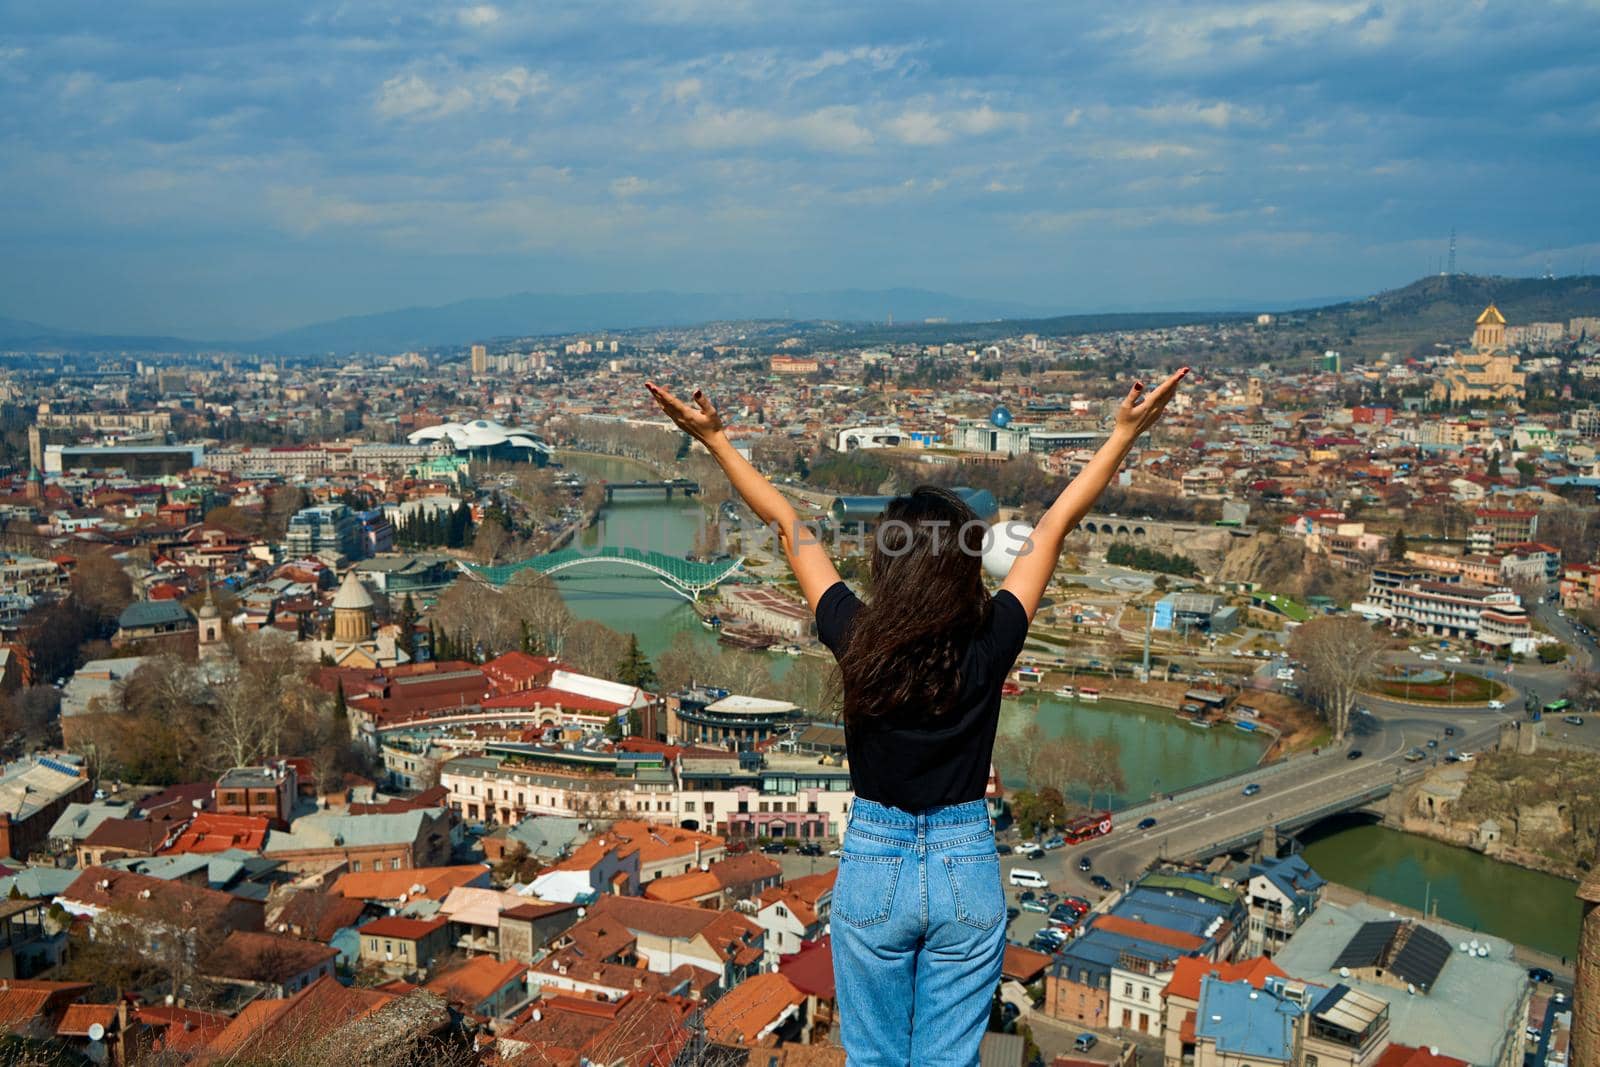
x=700 y=422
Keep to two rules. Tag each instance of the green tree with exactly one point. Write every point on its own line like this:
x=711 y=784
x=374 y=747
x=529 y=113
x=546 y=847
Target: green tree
x=635 y=668
x=1397 y=545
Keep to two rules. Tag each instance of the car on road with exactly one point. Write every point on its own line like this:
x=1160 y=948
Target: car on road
x=1449 y=731
x=1452 y=659
x=1027 y=846
x=1033 y=853
x=1429 y=656
x=1036 y=906
x=1497 y=705
x=1355 y=753
x=1540 y=975
x=1085 y=863
x=1416 y=755
x=1084 y=1042
x=1146 y=823
x=1572 y=720
x=1100 y=881
x=1002 y=849
x=1433 y=742
x=1252 y=789
x=1055 y=842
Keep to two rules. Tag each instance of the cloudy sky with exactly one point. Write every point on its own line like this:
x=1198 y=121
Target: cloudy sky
x=224 y=170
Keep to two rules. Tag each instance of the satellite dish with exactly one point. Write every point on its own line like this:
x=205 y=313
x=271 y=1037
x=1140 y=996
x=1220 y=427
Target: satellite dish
x=96 y=1032
x=1344 y=972
x=1002 y=544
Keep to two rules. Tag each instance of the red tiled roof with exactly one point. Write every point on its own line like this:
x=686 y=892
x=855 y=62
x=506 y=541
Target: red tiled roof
x=1143 y=931
x=1405 y=1056
x=401 y=928
x=435 y=882
x=77 y=1019
x=1191 y=970
x=211 y=832
x=749 y=1009
x=1023 y=964
x=811 y=969
x=476 y=980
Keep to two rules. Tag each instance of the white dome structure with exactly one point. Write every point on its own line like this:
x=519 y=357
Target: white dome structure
x=487 y=439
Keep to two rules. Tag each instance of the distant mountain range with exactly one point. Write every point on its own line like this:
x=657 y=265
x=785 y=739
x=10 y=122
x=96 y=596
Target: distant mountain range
x=540 y=314
x=1427 y=309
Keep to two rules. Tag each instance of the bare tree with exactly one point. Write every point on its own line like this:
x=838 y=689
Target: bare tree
x=1339 y=653
x=533 y=598
x=593 y=647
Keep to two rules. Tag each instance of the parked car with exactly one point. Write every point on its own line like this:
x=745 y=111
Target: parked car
x=1572 y=720
x=1024 y=846
x=809 y=848
x=1085 y=863
x=1084 y=1042
x=1497 y=705
x=1077 y=904
x=1433 y=742
x=1036 y=906
x=774 y=848
x=1252 y=789
x=1540 y=975
x=1146 y=823
x=1063 y=914
x=1055 y=842
x=1033 y=853
x=1452 y=659
x=1002 y=849
x=1355 y=753
x=1026 y=894
x=1449 y=731
x=1100 y=881
x=1012 y=913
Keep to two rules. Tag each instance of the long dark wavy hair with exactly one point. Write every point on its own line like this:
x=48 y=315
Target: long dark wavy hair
x=928 y=600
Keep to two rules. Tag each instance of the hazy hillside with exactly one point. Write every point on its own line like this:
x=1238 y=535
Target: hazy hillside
x=1442 y=308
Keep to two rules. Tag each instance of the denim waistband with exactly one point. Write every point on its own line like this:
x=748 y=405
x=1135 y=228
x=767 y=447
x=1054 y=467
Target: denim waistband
x=963 y=814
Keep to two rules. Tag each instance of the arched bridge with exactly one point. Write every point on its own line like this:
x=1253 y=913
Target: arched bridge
x=681 y=575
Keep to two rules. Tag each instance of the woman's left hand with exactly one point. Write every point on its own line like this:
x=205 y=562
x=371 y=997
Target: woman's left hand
x=1140 y=410
x=701 y=422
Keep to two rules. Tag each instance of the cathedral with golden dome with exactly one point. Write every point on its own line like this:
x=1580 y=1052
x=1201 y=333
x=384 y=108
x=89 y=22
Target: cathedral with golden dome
x=1486 y=374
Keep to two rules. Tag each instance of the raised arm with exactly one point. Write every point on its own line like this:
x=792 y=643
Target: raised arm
x=1031 y=570
x=803 y=548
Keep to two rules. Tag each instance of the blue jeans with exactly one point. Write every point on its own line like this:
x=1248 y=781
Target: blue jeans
x=919 y=930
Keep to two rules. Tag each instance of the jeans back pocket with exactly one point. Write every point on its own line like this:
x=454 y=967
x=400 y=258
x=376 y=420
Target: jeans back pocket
x=863 y=894
x=975 y=885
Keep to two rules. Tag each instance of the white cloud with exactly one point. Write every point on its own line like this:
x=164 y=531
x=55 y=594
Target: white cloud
x=630 y=185
x=922 y=127
x=1218 y=115
x=414 y=96
x=834 y=129
x=478 y=16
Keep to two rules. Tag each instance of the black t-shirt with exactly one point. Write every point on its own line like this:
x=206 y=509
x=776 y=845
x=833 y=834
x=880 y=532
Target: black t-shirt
x=919 y=762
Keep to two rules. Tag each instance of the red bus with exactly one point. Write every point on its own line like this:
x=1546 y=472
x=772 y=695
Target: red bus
x=1086 y=828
